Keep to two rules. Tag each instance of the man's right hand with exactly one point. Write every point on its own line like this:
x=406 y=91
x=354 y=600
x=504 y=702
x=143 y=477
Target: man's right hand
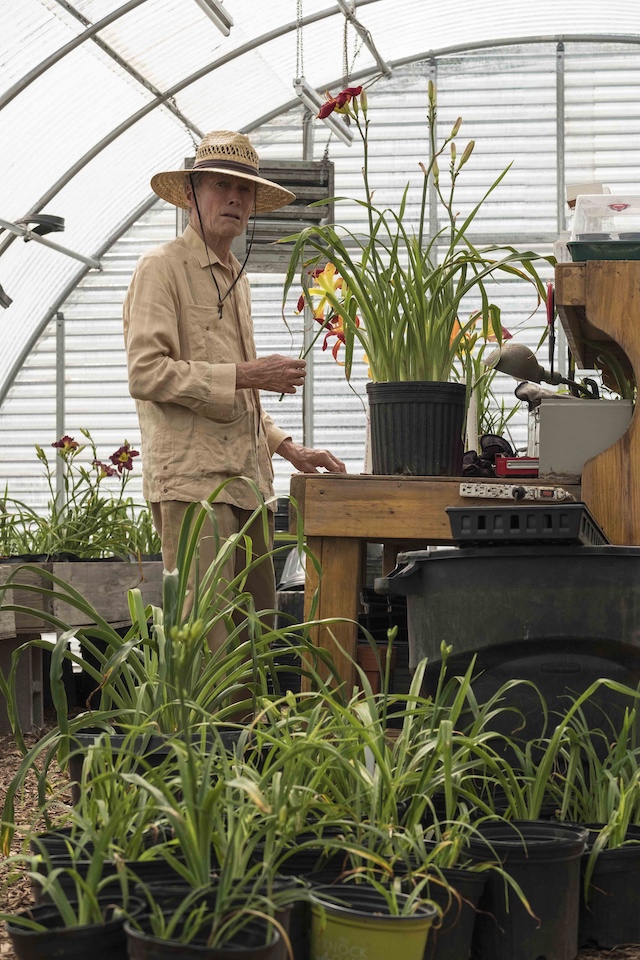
x=275 y=373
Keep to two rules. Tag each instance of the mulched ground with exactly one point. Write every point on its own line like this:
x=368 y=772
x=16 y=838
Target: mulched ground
x=18 y=894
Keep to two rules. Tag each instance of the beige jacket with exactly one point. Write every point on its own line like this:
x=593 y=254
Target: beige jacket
x=197 y=429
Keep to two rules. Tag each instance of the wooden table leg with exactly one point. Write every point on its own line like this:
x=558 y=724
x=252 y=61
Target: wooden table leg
x=338 y=597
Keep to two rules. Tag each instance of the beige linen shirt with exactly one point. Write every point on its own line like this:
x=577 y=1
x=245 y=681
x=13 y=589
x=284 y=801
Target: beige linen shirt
x=197 y=429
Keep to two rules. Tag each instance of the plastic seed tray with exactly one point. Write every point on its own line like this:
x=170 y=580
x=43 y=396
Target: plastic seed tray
x=559 y=523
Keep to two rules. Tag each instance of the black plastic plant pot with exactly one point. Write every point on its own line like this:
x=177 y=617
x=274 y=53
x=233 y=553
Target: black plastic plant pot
x=609 y=912
x=544 y=860
x=417 y=428
x=354 y=921
x=154 y=748
x=100 y=941
x=141 y=870
x=457 y=893
x=292 y=917
x=249 y=944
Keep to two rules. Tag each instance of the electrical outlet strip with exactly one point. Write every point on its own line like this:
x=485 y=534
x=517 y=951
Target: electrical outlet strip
x=514 y=491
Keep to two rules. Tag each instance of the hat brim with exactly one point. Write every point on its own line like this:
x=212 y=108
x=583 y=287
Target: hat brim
x=170 y=186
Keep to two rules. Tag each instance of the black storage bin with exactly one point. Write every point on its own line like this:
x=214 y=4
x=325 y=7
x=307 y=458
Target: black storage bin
x=561 y=616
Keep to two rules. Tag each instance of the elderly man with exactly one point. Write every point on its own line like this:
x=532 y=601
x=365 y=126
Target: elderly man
x=192 y=362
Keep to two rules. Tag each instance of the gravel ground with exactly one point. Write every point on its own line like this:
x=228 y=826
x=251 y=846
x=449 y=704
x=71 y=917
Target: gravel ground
x=18 y=894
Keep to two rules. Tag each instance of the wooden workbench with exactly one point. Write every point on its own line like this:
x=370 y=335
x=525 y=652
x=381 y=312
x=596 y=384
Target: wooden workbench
x=599 y=306
x=341 y=513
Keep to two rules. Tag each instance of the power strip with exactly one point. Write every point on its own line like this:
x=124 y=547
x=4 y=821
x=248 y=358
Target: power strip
x=514 y=491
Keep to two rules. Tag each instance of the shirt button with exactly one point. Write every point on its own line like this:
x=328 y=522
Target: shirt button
x=225 y=437
x=165 y=467
x=207 y=327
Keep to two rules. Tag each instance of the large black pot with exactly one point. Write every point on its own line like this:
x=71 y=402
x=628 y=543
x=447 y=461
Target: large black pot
x=250 y=944
x=457 y=893
x=104 y=941
x=544 y=860
x=417 y=428
x=609 y=908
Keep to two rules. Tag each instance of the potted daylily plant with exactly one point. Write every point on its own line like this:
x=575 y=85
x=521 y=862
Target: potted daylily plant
x=400 y=295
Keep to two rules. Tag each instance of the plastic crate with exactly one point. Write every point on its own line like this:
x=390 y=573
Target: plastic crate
x=566 y=524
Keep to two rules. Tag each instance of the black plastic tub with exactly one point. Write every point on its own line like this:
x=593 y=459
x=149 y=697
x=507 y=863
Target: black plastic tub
x=250 y=944
x=559 y=616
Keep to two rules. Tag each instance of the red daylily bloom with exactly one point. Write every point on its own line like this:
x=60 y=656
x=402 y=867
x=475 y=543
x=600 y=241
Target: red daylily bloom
x=335 y=328
x=66 y=444
x=122 y=458
x=104 y=469
x=338 y=103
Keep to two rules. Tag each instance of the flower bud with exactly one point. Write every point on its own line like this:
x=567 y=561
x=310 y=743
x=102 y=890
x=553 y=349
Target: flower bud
x=435 y=169
x=453 y=152
x=468 y=150
x=455 y=128
x=363 y=101
x=432 y=92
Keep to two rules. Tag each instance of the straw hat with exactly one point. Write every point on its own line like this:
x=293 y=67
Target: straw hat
x=223 y=151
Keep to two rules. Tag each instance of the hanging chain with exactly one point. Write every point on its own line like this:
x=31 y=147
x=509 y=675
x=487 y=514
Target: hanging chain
x=172 y=101
x=345 y=54
x=299 y=46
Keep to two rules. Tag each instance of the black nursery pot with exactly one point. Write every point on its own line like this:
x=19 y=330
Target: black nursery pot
x=249 y=944
x=100 y=941
x=457 y=893
x=610 y=915
x=416 y=428
x=544 y=859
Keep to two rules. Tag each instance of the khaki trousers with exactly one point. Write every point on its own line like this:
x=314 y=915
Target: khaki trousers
x=167 y=518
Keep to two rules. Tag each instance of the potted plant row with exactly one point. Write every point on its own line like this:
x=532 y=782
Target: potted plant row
x=210 y=830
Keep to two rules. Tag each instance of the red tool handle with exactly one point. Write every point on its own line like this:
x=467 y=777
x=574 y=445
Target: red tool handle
x=551 y=303
x=551 y=315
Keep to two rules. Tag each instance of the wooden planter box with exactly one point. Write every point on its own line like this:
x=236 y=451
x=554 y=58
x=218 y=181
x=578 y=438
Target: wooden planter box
x=103 y=583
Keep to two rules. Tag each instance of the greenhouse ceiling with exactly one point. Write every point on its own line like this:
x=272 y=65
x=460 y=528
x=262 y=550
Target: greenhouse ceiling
x=96 y=95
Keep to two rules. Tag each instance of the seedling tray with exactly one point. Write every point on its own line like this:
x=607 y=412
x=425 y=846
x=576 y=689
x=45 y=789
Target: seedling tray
x=561 y=523
x=582 y=250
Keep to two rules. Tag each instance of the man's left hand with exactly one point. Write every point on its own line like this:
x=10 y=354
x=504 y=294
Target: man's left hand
x=308 y=460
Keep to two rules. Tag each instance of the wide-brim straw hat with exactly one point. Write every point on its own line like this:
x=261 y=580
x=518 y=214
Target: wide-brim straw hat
x=223 y=151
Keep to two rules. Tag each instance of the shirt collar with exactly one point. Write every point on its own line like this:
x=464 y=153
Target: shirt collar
x=199 y=250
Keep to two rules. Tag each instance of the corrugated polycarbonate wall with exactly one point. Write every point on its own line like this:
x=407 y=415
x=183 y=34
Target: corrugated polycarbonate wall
x=507 y=99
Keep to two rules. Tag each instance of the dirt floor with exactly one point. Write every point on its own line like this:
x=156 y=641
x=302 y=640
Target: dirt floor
x=18 y=894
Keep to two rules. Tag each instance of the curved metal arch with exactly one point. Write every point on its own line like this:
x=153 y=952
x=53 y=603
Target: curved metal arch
x=282 y=108
x=161 y=100
x=42 y=67
x=113 y=237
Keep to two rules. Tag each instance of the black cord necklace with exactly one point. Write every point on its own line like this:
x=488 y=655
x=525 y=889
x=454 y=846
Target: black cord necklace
x=221 y=299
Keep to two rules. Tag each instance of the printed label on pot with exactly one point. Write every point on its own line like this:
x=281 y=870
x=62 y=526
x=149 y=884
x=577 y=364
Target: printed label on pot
x=341 y=948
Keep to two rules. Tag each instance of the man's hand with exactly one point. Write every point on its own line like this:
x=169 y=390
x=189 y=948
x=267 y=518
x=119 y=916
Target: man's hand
x=307 y=460
x=275 y=373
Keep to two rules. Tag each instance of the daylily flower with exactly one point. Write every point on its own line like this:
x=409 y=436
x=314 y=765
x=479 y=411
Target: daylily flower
x=301 y=299
x=66 y=444
x=335 y=328
x=340 y=103
x=328 y=281
x=122 y=458
x=104 y=470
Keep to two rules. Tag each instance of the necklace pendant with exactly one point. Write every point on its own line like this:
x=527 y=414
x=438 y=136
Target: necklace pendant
x=219 y=309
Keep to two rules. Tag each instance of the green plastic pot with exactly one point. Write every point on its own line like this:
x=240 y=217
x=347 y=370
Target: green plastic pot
x=359 y=925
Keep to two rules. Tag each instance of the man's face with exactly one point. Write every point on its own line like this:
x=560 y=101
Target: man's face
x=225 y=203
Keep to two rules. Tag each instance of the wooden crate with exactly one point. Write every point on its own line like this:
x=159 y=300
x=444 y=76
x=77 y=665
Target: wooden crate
x=105 y=585
x=26 y=624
